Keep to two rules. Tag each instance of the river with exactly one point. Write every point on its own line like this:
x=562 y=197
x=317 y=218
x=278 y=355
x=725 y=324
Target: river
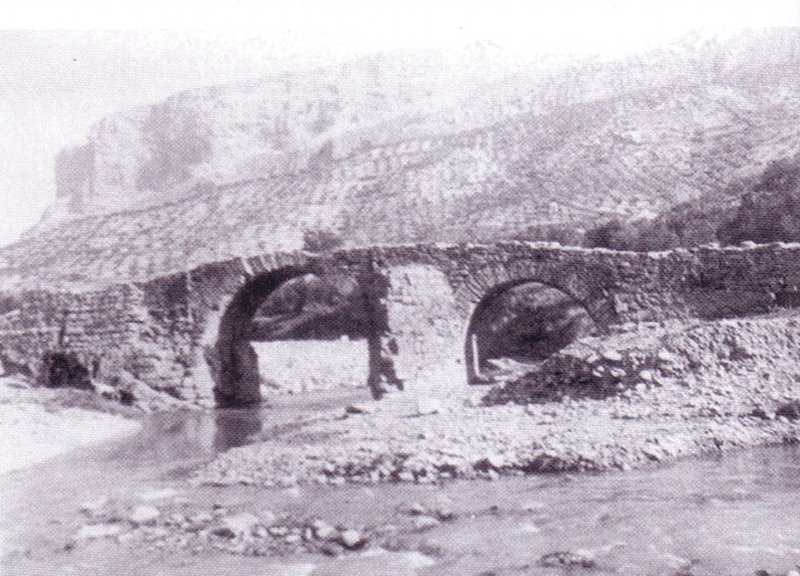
x=734 y=514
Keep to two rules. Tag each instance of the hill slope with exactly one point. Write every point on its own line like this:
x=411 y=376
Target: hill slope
x=416 y=147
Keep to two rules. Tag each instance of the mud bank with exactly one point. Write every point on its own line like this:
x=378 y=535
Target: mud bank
x=644 y=395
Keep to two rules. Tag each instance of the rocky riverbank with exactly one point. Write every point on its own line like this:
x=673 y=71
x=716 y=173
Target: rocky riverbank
x=646 y=394
x=480 y=442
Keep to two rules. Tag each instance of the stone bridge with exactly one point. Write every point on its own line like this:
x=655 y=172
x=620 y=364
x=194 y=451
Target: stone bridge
x=186 y=333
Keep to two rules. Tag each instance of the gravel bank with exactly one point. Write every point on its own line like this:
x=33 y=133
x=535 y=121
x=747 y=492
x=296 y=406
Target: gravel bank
x=644 y=395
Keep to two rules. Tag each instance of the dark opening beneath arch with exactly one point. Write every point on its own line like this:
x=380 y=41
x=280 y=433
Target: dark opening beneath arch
x=519 y=325
x=65 y=370
x=292 y=331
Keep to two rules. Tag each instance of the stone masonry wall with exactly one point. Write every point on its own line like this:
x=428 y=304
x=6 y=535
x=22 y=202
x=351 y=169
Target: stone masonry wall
x=162 y=333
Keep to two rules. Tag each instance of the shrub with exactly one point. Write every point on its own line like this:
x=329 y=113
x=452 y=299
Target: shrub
x=321 y=241
x=769 y=212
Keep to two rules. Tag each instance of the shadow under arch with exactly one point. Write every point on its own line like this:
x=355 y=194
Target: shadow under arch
x=552 y=342
x=234 y=362
x=237 y=380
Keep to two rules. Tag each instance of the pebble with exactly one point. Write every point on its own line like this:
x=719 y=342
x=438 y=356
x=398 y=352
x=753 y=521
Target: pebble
x=611 y=356
x=293 y=538
x=268 y=517
x=496 y=460
x=293 y=492
x=406 y=476
x=278 y=531
x=201 y=518
x=529 y=528
x=534 y=506
x=665 y=356
x=475 y=400
x=444 y=513
x=413 y=509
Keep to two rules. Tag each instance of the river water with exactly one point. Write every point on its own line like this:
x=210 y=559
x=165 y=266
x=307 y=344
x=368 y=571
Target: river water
x=705 y=516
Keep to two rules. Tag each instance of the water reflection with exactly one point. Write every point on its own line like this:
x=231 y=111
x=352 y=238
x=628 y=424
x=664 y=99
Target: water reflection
x=235 y=427
x=181 y=441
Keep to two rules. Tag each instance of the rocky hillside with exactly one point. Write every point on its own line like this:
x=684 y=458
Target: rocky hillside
x=416 y=147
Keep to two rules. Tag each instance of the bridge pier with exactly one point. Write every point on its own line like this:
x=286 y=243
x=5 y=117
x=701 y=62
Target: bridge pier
x=422 y=338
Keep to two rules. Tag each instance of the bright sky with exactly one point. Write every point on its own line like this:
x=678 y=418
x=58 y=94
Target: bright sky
x=54 y=85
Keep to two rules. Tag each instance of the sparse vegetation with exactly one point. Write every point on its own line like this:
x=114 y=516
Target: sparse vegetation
x=768 y=210
x=563 y=234
x=321 y=241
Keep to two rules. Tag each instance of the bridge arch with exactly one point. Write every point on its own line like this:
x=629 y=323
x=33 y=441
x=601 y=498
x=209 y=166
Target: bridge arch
x=233 y=360
x=556 y=316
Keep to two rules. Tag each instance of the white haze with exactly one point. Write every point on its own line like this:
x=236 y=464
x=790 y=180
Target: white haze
x=55 y=84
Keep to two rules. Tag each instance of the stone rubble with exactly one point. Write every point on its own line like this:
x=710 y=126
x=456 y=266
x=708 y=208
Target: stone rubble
x=642 y=395
x=198 y=526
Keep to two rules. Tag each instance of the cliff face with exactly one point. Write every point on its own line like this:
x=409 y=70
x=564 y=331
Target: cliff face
x=419 y=147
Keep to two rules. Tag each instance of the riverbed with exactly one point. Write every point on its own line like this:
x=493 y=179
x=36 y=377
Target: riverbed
x=732 y=514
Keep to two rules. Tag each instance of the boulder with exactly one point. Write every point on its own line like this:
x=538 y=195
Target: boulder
x=324 y=531
x=240 y=525
x=352 y=539
x=144 y=515
x=611 y=356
